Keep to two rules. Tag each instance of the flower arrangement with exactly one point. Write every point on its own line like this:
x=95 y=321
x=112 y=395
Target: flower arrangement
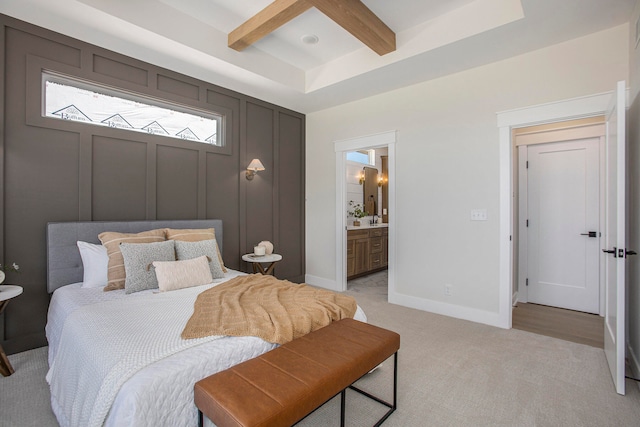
x=8 y=267
x=13 y=267
x=356 y=210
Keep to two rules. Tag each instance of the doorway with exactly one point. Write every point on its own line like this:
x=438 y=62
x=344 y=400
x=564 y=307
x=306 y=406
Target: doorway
x=387 y=141
x=560 y=215
x=507 y=122
x=367 y=230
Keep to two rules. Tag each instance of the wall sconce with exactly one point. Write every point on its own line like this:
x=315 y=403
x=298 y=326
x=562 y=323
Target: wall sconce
x=380 y=180
x=361 y=178
x=253 y=168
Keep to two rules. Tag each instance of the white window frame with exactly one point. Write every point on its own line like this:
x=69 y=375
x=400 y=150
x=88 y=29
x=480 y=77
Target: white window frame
x=185 y=133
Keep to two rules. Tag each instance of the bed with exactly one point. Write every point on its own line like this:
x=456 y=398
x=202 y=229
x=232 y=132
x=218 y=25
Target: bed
x=90 y=331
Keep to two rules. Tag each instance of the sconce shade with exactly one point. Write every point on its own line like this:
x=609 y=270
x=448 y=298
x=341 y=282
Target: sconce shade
x=253 y=168
x=255 y=165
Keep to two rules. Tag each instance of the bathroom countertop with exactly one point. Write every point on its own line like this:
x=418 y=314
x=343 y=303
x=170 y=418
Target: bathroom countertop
x=363 y=226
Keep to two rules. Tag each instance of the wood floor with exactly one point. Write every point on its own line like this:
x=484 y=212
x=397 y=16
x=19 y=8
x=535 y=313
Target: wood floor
x=568 y=325
x=575 y=326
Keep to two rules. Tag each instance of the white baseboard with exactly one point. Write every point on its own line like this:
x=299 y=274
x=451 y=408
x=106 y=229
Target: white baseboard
x=634 y=364
x=437 y=307
x=451 y=310
x=321 y=282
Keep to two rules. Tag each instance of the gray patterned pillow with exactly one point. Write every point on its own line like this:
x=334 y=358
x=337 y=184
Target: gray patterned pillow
x=138 y=259
x=209 y=248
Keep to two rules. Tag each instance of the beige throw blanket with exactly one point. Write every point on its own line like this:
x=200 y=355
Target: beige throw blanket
x=275 y=310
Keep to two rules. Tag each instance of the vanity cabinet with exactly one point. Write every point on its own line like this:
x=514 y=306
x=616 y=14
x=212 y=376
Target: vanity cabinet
x=385 y=248
x=366 y=251
x=375 y=249
x=357 y=252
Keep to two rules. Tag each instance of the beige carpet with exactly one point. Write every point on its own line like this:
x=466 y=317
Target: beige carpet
x=24 y=396
x=458 y=373
x=451 y=373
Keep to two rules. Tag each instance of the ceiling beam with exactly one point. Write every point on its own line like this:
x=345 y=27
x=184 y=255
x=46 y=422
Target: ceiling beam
x=361 y=22
x=352 y=15
x=264 y=22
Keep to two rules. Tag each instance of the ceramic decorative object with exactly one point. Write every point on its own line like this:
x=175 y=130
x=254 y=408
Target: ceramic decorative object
x=268 y=246
x=1 y=276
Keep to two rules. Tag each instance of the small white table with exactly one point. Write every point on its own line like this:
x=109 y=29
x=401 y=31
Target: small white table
x=258 y=260
x=6 y=293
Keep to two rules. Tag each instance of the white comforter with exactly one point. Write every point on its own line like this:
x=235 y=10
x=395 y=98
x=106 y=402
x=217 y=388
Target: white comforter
x=155 y=386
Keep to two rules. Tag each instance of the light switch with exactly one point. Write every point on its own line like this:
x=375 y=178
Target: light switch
x=478 y=214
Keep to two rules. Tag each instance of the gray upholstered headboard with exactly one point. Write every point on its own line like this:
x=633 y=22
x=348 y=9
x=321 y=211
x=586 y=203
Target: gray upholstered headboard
x=64 y=265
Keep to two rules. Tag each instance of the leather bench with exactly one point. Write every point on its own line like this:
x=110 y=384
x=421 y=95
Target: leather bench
x=284 y=385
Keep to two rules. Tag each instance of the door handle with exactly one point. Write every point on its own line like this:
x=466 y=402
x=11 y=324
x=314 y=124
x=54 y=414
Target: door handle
x=614 y=252
x=590 y=234
x=628 y=252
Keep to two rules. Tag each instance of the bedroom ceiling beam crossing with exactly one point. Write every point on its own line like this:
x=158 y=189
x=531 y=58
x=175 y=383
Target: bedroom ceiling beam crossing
x=266 y=21
x=352 y=15
x=361 y=22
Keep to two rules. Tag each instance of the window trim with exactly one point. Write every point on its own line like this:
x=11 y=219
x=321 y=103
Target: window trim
x=81 y=84
x=36 y=66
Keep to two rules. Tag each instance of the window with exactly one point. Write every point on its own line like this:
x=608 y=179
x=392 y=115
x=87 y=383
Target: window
x=366 y=157
x=78 y=101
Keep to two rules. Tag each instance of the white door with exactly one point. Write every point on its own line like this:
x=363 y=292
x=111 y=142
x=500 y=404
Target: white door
x=563 y=224
x=614 y=320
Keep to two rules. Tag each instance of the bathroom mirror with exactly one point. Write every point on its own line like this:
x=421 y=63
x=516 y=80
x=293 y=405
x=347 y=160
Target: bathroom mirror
x=370 y=190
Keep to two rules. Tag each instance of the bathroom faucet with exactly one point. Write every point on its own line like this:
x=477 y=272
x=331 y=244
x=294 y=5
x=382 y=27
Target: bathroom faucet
x=375 y=219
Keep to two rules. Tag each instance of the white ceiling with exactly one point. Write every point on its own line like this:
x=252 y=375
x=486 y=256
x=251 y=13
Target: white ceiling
x=434 y=38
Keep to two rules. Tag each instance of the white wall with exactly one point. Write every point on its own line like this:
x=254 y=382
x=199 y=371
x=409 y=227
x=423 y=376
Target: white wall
x=633 y=204
x=447 y=164
x=354 y=188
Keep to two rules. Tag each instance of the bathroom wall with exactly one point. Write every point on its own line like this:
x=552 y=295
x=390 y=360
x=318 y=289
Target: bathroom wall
x=354 y=188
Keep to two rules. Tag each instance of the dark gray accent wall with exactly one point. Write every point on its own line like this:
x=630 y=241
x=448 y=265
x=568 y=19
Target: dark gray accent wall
x=55 y=170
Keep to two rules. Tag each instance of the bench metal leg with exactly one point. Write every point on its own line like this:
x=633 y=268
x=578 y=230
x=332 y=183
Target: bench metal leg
x=392 y=406
x=395 y=380
x=343 y=395
x=200 y=418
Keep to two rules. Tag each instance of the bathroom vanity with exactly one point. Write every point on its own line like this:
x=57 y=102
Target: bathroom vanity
x=367 y=249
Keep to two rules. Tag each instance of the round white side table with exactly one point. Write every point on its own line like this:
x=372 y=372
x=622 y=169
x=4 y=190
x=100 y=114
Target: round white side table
x=6 y=293
x=257 y=261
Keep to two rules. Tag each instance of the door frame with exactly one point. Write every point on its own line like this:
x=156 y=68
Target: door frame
x=571 y=109
x=387 y=140
x=561 y=135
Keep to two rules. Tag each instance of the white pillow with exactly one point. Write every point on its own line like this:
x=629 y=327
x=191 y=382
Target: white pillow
x=94 y=261
x=173 y=275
